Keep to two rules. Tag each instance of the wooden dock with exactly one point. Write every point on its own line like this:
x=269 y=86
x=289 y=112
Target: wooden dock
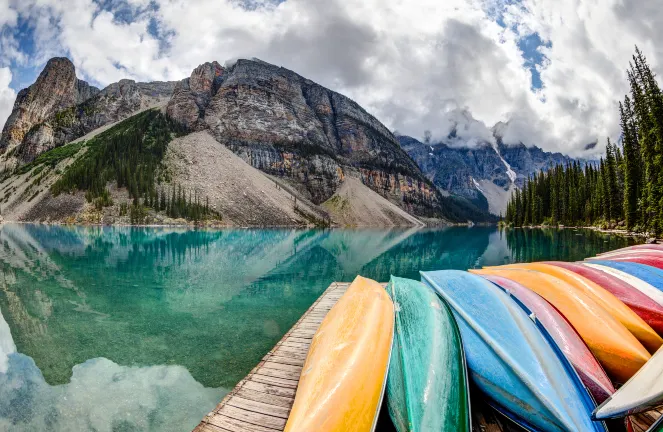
x=261 y=402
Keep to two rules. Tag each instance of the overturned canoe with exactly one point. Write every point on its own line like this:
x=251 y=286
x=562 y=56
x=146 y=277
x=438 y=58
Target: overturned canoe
x=427 y=382
x=622 y=313
x=343 y=378
x=654 y=260
x=649 y=274
x=640 y=247
x=644 y=287
x=640 y=303
x=510 y=359
x=567 y=339
x=618 y=351
x=641 y=393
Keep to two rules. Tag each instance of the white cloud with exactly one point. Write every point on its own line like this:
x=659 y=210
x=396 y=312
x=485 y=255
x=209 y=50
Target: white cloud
x=7 y=95
x=414 y=65
x=101 y=396
x=8 y=16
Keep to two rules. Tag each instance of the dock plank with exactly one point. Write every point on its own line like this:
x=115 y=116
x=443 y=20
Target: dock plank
x=262 y=401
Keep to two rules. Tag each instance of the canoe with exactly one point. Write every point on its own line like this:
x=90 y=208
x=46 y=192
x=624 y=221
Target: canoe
x=427 y=382
x=647 y=259
x=647 y=308
x=343 y=378
x=641 y=393
x=639 y=247
x=618 y=351
x=510 y=357
x=646 y=288
x=651 y=275
x=622 y=313
x=647 y=250
x=567 y=339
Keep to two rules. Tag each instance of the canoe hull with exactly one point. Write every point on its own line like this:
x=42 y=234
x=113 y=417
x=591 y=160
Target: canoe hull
x=649 y=274
x=507 y=353
x=427 y=382
x=641 y=393
x=567 y=339
x=343 y=378
x=622 y=313
x=649 y=260
x=646 y=308
x=638 y=283
x=618 y=351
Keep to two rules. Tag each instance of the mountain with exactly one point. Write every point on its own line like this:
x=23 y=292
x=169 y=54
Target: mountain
x=289 y=126
x=59 y=108
x=56 y=89
x=293 y=146
x=485 y=173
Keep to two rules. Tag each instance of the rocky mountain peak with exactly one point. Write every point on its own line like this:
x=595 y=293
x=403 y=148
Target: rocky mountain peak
x=56 y=89
x=59 y=108
x=193 y=94
x=205 y=77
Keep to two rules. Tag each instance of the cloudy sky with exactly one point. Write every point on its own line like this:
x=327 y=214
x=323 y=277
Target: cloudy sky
x=554 y=69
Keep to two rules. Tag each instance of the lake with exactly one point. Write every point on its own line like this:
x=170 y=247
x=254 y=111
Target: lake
x=132 y=329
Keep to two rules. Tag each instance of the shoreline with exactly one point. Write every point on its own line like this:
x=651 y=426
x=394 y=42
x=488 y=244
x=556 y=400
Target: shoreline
x=621 y=232
x=194 y=226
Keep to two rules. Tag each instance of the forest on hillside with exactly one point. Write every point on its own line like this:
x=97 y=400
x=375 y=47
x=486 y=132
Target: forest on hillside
x=624 y=189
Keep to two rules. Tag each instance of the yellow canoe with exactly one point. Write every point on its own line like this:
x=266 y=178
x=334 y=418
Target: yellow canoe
x=625 y=315
x=342 y=382
x=618 y=351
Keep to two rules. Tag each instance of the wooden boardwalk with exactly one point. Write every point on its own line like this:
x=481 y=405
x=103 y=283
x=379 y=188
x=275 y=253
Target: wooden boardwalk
x=261 y=402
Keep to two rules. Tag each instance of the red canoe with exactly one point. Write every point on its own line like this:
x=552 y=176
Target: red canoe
x=569 y=342
x=649 y=310
x=636 y=248
x=648 y=258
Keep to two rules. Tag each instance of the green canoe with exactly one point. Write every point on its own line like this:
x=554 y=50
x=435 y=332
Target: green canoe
x=427 y=382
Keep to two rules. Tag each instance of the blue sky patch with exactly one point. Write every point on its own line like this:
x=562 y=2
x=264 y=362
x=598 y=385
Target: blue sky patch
x=529 y=46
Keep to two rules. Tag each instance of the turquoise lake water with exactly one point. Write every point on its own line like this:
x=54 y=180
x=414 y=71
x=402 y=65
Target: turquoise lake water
x=137 y=329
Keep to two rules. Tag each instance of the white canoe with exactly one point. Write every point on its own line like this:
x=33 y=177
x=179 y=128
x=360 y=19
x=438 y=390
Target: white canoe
x=641 y=393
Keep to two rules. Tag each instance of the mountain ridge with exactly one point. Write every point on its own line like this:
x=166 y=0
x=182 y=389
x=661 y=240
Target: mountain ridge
x=468 y=170
x=306 y=137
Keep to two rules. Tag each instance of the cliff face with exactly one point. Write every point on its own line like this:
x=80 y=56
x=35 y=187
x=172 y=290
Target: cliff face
x=59 y=108
x=286 y=125
x=56 y=89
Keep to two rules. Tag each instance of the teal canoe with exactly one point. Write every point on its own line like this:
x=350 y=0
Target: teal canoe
x=427 y=381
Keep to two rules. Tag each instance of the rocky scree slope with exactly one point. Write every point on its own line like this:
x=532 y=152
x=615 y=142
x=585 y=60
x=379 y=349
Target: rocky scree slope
x=59 y=108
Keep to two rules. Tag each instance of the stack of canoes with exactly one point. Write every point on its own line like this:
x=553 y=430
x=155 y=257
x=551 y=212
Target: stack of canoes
x=553 y=346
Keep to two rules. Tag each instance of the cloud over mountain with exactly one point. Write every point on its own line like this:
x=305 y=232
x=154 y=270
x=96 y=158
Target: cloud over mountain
x=414 y=65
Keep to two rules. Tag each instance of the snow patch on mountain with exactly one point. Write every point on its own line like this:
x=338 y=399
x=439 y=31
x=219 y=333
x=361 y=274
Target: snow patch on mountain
x=509 y=172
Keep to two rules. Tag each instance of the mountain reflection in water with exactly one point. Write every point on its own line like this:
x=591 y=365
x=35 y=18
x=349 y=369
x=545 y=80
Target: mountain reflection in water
x=118 y=328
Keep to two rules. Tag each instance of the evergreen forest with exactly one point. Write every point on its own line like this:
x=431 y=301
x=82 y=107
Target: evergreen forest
x=623 y=189
x=130 y=155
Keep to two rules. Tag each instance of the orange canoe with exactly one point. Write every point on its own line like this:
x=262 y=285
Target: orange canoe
x=343 y=378
x=618 y=351
x=625 y=315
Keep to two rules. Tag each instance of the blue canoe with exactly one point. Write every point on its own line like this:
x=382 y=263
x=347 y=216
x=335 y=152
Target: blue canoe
x=512 y=359
x=652 y=275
